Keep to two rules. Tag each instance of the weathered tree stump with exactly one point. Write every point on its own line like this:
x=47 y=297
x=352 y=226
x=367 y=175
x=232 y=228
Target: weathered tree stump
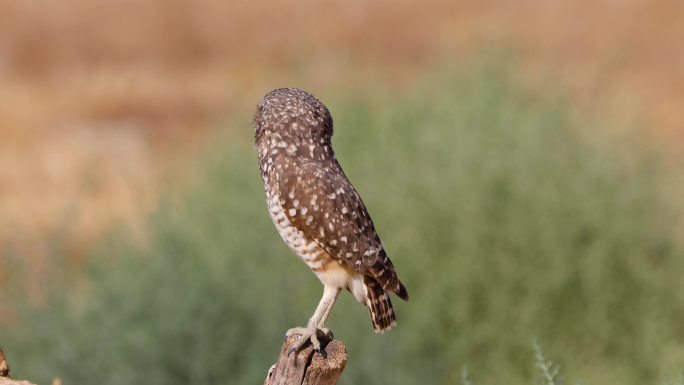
x=9 y=381
x=308 y=367
x=4 y=367
x=5 y=371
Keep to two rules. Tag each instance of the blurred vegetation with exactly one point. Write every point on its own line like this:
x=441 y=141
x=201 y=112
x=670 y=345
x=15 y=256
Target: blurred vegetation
x=505 y=222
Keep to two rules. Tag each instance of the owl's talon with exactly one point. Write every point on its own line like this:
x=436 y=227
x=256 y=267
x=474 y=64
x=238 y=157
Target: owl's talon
x=295 y=331
x=325 y=333
x=307 y=334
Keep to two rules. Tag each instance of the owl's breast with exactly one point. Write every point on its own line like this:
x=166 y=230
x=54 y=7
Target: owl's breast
x=305 y=248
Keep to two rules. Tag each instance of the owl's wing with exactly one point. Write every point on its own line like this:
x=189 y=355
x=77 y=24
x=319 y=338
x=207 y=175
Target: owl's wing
x=320 y=201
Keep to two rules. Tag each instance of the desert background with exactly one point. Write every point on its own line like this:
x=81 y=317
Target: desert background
x=522 y=162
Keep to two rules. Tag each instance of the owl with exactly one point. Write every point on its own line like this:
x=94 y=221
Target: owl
x=317 y=211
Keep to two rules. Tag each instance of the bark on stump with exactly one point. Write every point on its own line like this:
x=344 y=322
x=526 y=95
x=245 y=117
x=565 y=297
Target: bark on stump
x=9 y=381
x=307 y=367
x=5 y=371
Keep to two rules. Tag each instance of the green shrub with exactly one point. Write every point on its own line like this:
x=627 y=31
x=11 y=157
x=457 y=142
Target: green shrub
x=503 y=219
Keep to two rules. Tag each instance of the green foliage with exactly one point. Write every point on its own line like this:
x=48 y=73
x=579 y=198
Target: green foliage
x=680 y=380
x=465 y=377
x=549 y=371
x=503 y=220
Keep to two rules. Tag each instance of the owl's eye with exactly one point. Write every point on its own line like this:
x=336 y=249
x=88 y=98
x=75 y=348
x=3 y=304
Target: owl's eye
x=258 y=123
x=258 y=116
x=259 y=111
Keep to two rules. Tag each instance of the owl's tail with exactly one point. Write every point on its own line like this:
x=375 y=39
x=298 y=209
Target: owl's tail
x=379 y=306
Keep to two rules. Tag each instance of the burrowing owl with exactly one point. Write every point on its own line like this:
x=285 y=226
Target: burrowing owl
x=317 y=211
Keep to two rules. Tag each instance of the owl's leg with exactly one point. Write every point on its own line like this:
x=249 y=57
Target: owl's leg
x=313 y=330
x=321 y=324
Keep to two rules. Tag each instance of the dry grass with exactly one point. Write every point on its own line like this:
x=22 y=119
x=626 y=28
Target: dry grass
x=99 y=96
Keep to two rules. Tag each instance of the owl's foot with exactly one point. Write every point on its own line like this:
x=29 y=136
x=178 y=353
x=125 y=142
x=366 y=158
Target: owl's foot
x=309 y=333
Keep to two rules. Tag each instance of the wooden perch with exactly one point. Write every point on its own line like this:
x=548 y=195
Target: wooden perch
x=307 y=367
x=10 y=381
x=4 y=367
x=5 y=371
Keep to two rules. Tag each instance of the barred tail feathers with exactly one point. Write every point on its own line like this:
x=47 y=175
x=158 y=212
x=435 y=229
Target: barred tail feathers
x=383 y=272
x=379 y=306
x=402 y=292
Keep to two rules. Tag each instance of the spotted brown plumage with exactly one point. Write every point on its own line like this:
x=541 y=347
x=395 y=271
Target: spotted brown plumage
x=317 y=211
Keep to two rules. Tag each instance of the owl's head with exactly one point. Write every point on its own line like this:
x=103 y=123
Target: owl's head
x=292 y=115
